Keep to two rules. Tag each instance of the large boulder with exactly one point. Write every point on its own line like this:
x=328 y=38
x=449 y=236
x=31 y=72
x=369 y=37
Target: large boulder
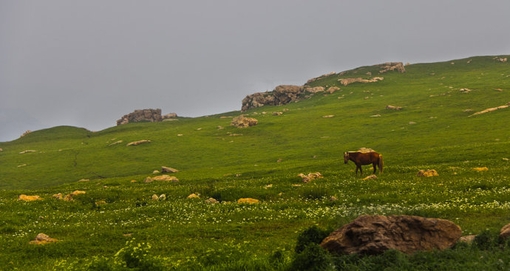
x=374 y=234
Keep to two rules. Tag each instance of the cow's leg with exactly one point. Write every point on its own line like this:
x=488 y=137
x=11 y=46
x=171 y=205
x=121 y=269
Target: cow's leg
x=375 y=167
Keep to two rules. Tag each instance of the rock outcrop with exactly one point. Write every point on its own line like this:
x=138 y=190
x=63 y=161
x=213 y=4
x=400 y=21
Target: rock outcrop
x=372 y=235
x=281 y=95
x=392 y=66
x=145 y=115
x=285 y=94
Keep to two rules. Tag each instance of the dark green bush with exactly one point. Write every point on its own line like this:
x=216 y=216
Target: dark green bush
x=312 y=235
x=312 y=257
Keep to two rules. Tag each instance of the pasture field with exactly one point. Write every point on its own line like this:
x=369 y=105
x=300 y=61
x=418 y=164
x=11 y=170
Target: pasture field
x=116 y=225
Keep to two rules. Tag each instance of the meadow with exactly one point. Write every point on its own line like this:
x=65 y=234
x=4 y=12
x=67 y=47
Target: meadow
x=117 y=225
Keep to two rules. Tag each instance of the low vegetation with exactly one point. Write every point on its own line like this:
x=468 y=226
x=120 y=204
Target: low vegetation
x=118 y=224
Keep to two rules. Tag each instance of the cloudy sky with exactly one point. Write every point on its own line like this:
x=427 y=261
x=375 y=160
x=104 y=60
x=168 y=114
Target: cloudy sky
x=87 y=63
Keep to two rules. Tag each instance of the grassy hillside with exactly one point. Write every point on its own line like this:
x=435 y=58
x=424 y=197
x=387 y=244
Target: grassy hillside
x=436 y=129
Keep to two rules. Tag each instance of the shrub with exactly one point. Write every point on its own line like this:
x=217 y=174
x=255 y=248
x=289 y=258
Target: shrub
x=312 y=235
x=312 y=257
x=485 y=240
x=137 y=257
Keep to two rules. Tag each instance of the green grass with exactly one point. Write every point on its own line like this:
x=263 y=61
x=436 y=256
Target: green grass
x=116 y=218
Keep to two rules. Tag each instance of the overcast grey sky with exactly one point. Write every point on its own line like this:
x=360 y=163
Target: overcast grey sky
x=87 y=63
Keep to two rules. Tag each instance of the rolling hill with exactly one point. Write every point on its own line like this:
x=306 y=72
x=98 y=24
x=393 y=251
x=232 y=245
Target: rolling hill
x=438 y=101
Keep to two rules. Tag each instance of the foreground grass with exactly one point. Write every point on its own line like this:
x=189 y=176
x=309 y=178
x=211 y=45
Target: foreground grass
x=190 y=233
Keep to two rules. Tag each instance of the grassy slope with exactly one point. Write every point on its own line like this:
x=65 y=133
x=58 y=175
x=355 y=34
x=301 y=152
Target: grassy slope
x=432 y=131
x=429 y=94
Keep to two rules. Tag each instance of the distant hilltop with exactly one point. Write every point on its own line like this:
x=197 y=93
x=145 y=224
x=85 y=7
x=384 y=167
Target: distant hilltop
x=285 y=94
x=146 y=115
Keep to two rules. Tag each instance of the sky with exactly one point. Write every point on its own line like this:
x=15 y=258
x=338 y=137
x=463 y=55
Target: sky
x=88 y=63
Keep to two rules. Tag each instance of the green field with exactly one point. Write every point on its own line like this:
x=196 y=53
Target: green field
x=116 y=225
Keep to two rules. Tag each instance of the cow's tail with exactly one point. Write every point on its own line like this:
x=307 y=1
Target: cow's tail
x=380 y=163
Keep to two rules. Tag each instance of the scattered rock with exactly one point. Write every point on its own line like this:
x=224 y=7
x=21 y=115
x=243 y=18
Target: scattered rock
x=501 y=59
x=468 y=239
x=115 y=143
x=168 y=170
x=490 y=109
x=136 y=143
x=161 y=197
x=24 y=197
x=169 y=116
x=211 y=201
x=372 y=235
x=243 y=122
x=164 y=178
x=58 y=196
x=194 y=196
x=427 y=173
x=42 y=239
x=247 y=201
x=310 y=176
x=331 y=90
x=370 y=177
x=100 y=202
x=69 y=197
x=328 y=116
x=393 y=107
x=27 y=151
x=314 y=89
x=348 y=81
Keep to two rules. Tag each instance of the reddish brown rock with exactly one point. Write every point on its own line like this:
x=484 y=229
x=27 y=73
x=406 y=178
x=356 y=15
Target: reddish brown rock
x=504 y=233
x=372 y=235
